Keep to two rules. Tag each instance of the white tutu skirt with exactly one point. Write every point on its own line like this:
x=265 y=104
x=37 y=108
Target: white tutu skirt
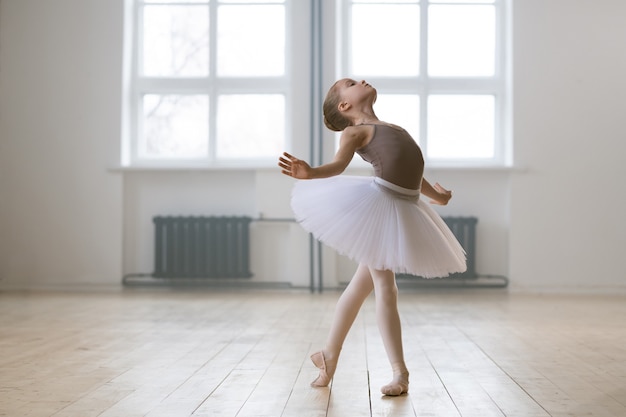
x=378 y=224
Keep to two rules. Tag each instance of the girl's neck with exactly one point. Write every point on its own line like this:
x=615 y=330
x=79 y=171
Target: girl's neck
x=366 y=119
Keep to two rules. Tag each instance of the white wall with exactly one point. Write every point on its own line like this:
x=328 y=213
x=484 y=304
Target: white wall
x=568 y=229
x=67 y=220
x=60 y=75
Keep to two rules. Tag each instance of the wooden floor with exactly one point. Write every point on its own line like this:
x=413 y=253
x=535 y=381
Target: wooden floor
x=165 y=353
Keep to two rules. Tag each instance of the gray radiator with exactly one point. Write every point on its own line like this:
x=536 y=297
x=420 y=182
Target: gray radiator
x=202 y=247
x=464 y=228
x=192 y=248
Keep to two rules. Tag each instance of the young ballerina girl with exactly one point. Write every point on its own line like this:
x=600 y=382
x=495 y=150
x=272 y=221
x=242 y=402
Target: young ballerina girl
x=379 y=221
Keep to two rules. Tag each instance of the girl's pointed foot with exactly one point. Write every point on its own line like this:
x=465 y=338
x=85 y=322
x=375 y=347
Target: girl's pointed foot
x=326 y=374
x=399 y=385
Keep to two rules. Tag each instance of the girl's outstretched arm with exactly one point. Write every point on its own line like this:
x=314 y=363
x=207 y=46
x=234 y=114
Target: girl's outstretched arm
x=351 y=139
x=436 y=193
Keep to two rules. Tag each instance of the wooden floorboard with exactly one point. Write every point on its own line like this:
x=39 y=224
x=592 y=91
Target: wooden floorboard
x=244 y=353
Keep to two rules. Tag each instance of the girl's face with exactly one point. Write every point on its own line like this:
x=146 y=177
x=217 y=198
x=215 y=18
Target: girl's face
x=355 y=92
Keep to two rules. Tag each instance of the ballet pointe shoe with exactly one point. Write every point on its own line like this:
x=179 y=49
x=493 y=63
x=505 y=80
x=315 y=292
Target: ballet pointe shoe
x=324 y=377
x=399 y=385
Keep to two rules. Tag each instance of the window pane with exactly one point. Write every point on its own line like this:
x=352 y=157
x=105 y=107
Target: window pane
x=385 y=39
x=250 y=125
x=174 y=126
x=176 y=1
x=463 y=1
x=400 y=109
x=385 y=1
x=461 y=40
x=461 y=126
x=176 y=41
x=252 y=1
x=251 y=41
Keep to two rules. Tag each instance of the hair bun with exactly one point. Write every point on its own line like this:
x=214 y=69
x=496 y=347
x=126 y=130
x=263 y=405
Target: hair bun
x=329 y=125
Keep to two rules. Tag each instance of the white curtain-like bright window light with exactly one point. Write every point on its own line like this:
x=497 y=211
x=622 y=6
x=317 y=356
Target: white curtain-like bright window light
x=210 y=82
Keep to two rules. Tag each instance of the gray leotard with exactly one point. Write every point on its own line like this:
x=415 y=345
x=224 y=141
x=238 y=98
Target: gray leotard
x=395 y=156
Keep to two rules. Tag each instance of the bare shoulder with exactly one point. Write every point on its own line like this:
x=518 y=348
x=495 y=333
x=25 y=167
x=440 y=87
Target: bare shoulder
x=357 y=136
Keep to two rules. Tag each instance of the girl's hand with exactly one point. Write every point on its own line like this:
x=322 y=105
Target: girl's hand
x=443 y=195
x=294 y=167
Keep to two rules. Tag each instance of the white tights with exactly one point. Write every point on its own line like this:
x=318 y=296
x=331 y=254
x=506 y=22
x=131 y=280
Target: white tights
x=386 y=292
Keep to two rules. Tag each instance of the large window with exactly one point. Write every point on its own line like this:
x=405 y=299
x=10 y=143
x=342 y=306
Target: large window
x=438 y=67
x=209 y=81
x=227 y=82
